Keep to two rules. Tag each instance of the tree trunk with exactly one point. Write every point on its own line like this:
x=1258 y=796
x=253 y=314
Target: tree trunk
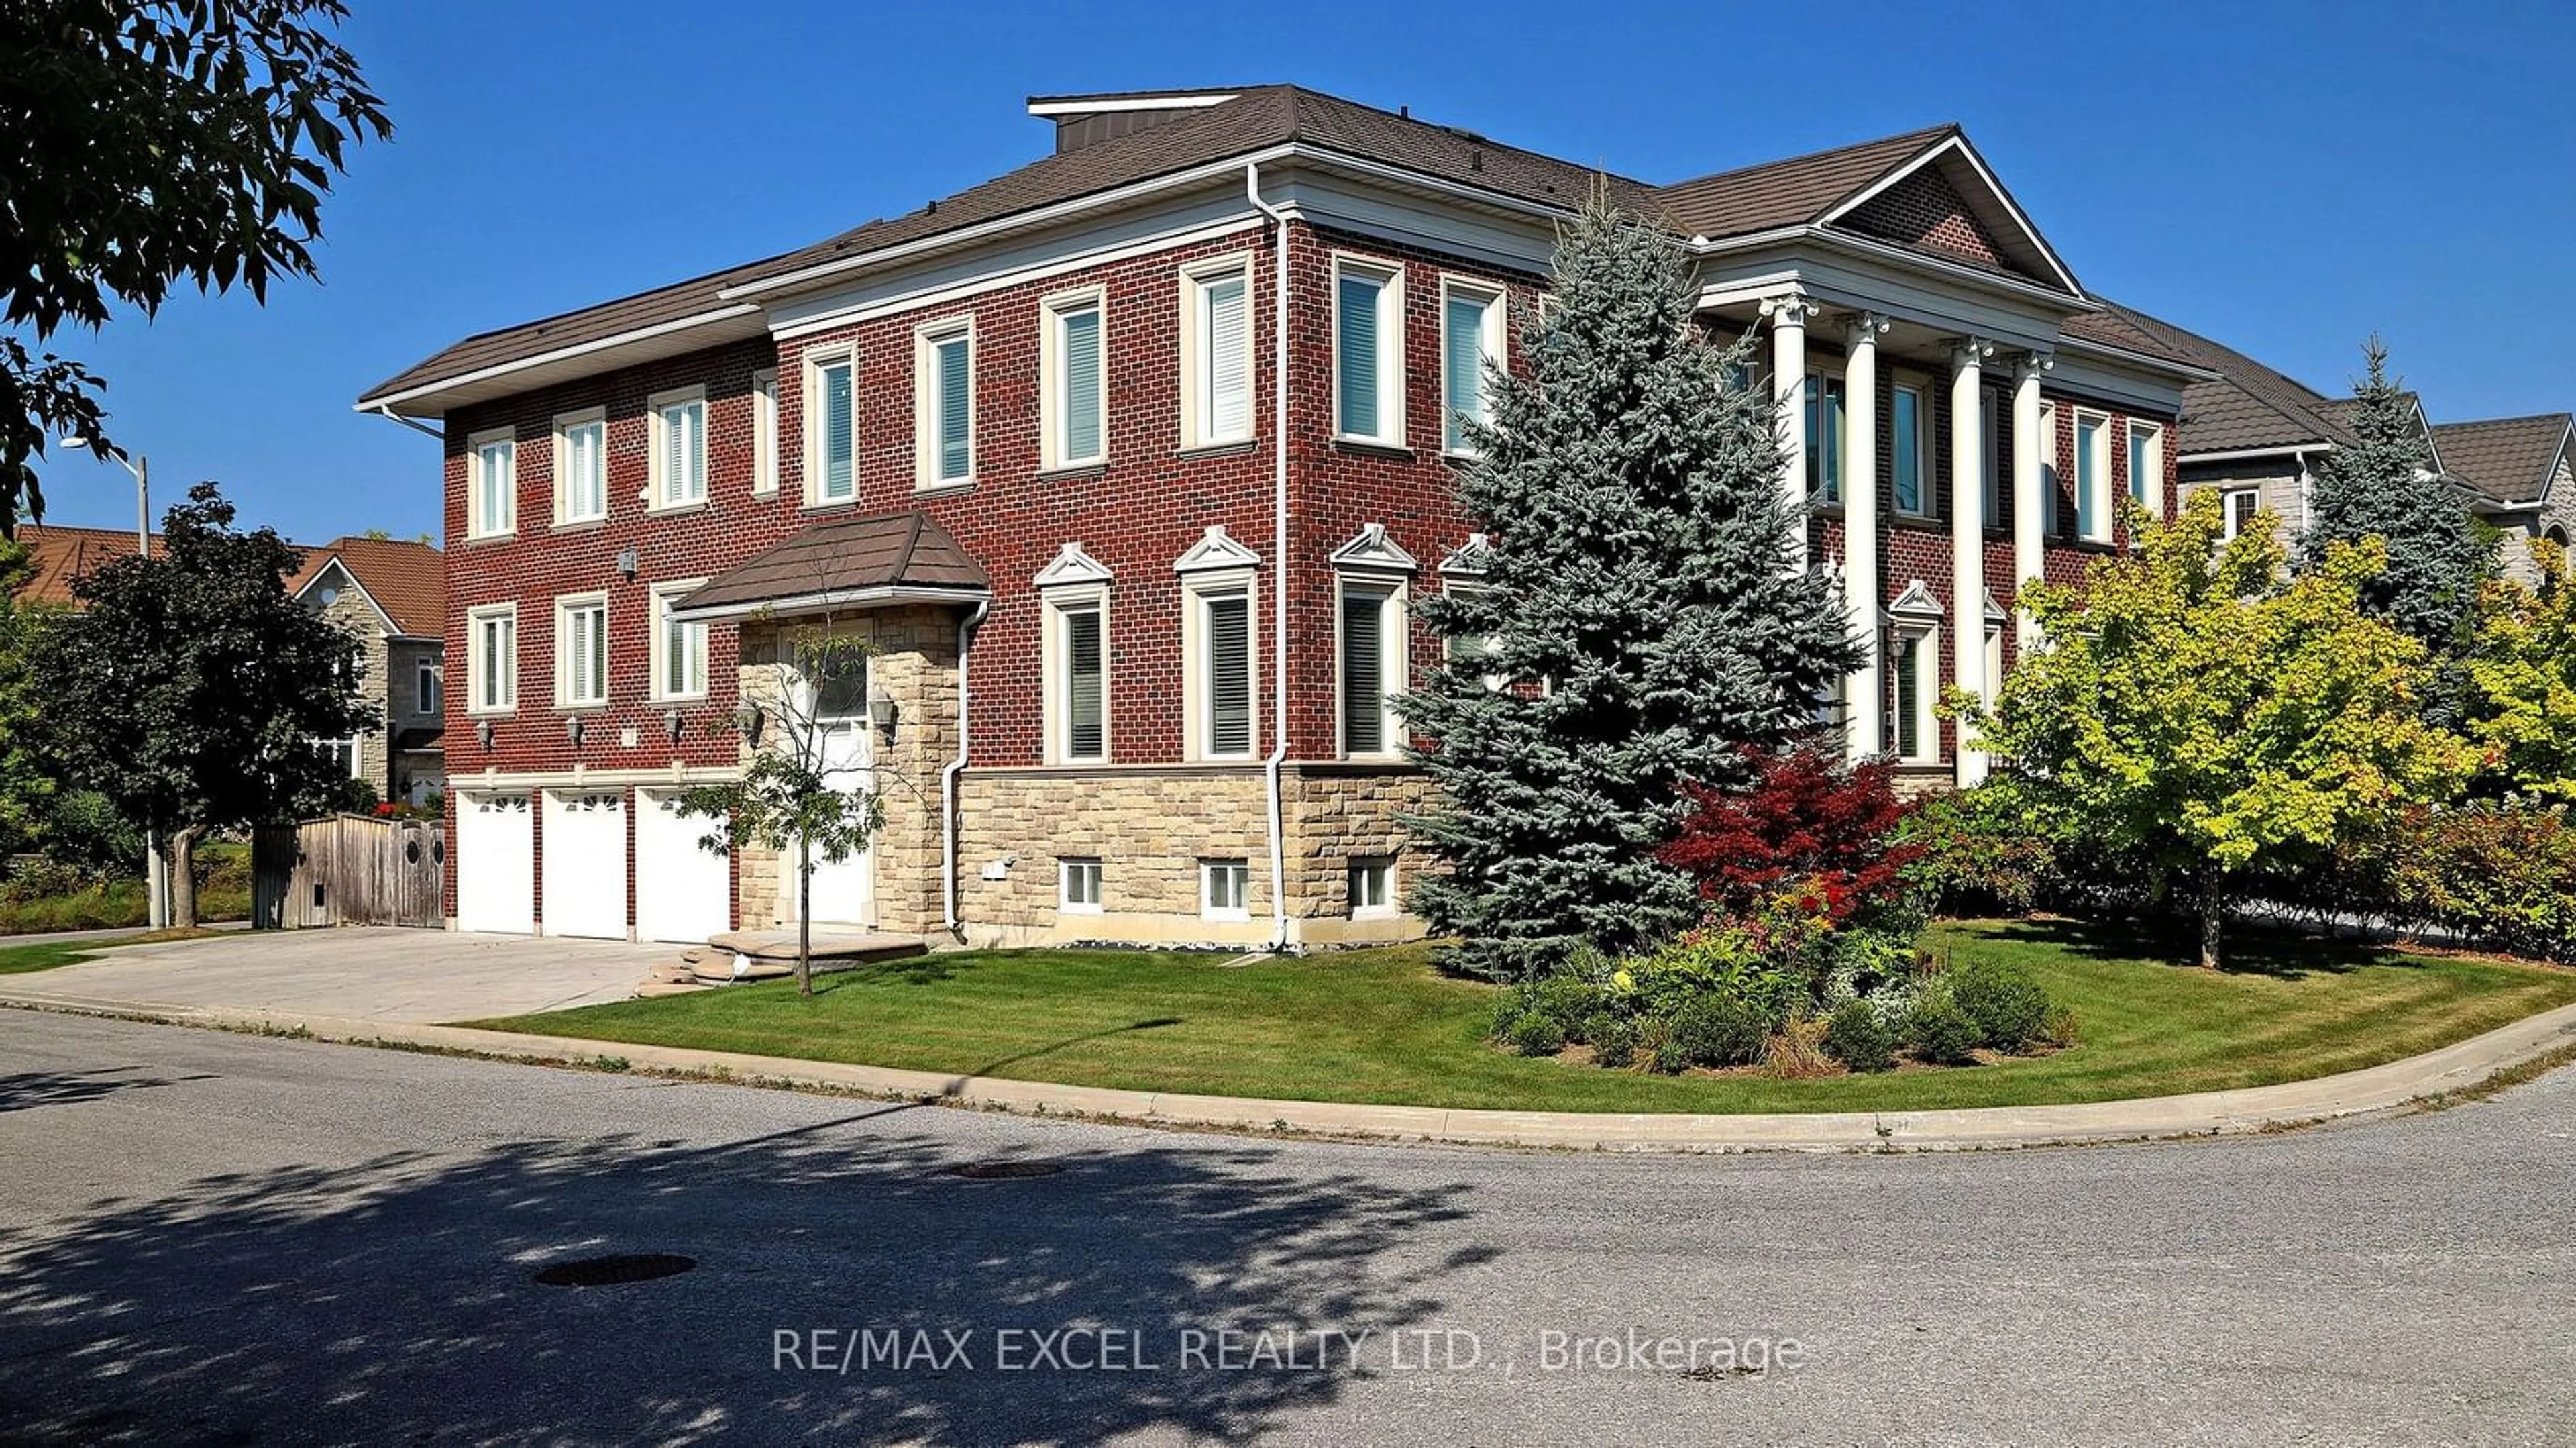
x=804 y=918
x=2213 y=915
x=182 y=871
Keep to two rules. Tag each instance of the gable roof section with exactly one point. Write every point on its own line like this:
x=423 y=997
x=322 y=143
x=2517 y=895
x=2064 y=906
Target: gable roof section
x=850 y=562
x=406 y=581
x=59 y=555
x=1927 y=191
x=2248 y=408
x=2509 y=459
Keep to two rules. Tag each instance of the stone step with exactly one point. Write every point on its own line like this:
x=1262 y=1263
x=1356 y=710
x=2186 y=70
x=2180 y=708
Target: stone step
x=723 y=968
x=677 y=973
x=653 y=989
x=840 y=948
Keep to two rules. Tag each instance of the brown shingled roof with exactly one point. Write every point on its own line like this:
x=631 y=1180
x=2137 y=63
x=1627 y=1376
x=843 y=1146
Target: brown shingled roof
x=2249 y=406
x=2510 y=459
x=407 y=580
x=1794 y=192
x=852 y=555
x=58 y=555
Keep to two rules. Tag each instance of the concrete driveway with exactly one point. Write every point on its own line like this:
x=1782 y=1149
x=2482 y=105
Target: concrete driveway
x=372 y=973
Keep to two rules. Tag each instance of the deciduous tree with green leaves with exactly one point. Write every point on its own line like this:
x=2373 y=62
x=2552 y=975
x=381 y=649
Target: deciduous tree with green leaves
x=2522 y=681
x=1631 y=626
x=194 y=692
x=150 y=143
x=2200 y=714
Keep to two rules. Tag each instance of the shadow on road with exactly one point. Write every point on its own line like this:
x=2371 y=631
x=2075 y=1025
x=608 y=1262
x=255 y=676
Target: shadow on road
x=26 y=1090
x=393 y=1300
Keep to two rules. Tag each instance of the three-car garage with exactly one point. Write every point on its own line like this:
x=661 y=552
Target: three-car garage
x=683 y=892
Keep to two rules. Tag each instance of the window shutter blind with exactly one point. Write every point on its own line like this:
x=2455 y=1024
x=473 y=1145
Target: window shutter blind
x=1229 y=629
x=1229 y=388
x=838 y=452
x=1363 y=674
x=1082 y=687
x=1082 y=380
x=1909 y=687
x=1358 y=363
x=954 y=457
x=1462 y=344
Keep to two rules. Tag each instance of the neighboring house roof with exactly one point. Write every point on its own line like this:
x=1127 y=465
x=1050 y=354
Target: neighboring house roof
x=849 y=560
x=59 y=555
x=2248 y=407
x=407 y=581
x=418 y=737
x=2509 y=459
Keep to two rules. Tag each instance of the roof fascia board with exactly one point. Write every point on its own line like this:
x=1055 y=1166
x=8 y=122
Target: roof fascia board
x=2127 y=385
x=1994 y=189
x=1434 y=225
x=2162 y=366
x=1181 y=101
x=1870 y=288
x=2549 y=478
x=803 y=604
x=2247 y=454
x=560 y=354
x=2059 y=303
x=341 y=562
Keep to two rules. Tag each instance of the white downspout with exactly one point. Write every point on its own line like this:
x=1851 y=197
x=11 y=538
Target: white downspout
x=1279 y=555
x=948 y=777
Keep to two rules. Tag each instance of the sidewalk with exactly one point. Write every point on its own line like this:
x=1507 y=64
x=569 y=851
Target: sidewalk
x=2378 y=1090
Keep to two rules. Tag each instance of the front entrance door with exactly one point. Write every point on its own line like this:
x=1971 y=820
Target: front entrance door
x=844 y=892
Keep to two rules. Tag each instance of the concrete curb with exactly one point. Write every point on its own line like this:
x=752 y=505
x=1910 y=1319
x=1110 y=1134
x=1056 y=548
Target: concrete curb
x=2377 y=1090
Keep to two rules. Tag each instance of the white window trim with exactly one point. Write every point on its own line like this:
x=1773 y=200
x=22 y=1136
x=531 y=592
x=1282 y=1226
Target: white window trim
x=658 y=470
x=2154 y=436
x=474 y=479
x=1394 y=895
x=1395 y=653
x=1492 y=331
x=1198 y=403
x=1055 y=659
x=564 y=424
x=475 y=679
x=1994 y=661
x=1927 y=437
x=815 y=360
x=2105 y=498
x=1065 y=865
x=1196 y=590
x=429 y=678
x=1052 y=311
x=764 y=432
x=2231 y=527
x=664 y=596
x=565 y=606
x=1208 y=908
x=1390 y=348
x=1927 y=692
x=926 y=339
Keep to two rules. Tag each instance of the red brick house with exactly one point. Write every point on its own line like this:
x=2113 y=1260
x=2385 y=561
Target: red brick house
x=1127 y=463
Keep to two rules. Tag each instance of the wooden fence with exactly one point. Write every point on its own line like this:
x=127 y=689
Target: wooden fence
x=349 y=870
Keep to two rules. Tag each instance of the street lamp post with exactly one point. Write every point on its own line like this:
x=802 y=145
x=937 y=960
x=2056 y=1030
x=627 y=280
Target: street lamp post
x=156 y=874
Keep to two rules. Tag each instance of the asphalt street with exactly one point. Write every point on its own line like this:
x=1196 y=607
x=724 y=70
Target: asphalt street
x=220 y=1239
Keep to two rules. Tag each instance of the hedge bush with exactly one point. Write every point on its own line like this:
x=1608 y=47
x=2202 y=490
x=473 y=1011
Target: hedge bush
x=2008 y=1007
x=1720 y=1030
x=1855 y=1036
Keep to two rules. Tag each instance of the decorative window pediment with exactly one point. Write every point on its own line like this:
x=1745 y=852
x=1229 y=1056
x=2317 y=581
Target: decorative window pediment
x=1373 y=552
x=1215 y=551
x=1471 y=559
x=1996 y=613
x=1916 y=606
x=1072 y=565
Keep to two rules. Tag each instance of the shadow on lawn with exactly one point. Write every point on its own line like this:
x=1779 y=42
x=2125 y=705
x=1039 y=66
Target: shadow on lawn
x=393 y=1299
x=2250 y=949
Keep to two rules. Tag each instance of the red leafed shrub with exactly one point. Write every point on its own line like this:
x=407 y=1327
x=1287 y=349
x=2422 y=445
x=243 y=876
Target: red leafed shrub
x=1803 y=820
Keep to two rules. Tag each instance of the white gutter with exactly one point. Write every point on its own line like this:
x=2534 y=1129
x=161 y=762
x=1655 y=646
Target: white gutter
x=1279 y=554
x=808 y=603
x=948 y=777
x=2297 y=451
x=390 y=415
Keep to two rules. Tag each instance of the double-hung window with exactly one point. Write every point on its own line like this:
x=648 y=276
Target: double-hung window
x=1918 y=671
x=679 y=450
x=1372 y=652
x=1471 y=341
x=581 y=466
x=2241 y=504
x=1216 y=353
x=1086 y=693
x=2147 y=466
x=1824 y=414
x=2092 y=477
x=679 y=645
x=1225 y=673
x=1073 y=400
x=1368 y=353
x=492 y=504
x=831 y=427
x=581 y=651
x=944 y=406
x=492 y=665
x=1910 y=452
x=764 y=431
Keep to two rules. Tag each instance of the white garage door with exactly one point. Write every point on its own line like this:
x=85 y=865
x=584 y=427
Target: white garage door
x=496 y=880
x=681 y=891
x=586 y=864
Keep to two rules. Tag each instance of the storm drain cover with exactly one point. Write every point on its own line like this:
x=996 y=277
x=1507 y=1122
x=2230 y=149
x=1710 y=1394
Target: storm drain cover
x=615 y=1271
x=987 y=1171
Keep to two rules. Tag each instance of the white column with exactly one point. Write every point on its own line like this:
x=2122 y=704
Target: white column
x=2030 y=498
x=1967 y=536
x=1789 y=316
x=1866 y=690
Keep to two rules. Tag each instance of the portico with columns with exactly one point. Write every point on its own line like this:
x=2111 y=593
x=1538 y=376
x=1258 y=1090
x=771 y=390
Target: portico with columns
x=1956 y=420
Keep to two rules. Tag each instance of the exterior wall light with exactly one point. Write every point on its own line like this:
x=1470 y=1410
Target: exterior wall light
x=882 y=713
x=748 y=719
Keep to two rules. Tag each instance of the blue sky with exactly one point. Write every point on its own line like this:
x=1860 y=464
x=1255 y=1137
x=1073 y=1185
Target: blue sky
x=2286 y=178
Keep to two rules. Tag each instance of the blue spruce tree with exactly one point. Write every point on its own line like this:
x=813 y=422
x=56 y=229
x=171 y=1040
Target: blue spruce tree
x=1633 y=626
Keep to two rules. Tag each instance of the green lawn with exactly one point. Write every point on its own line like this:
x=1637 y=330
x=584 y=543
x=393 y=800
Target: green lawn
x=1381 y=1026
x=46 y=954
